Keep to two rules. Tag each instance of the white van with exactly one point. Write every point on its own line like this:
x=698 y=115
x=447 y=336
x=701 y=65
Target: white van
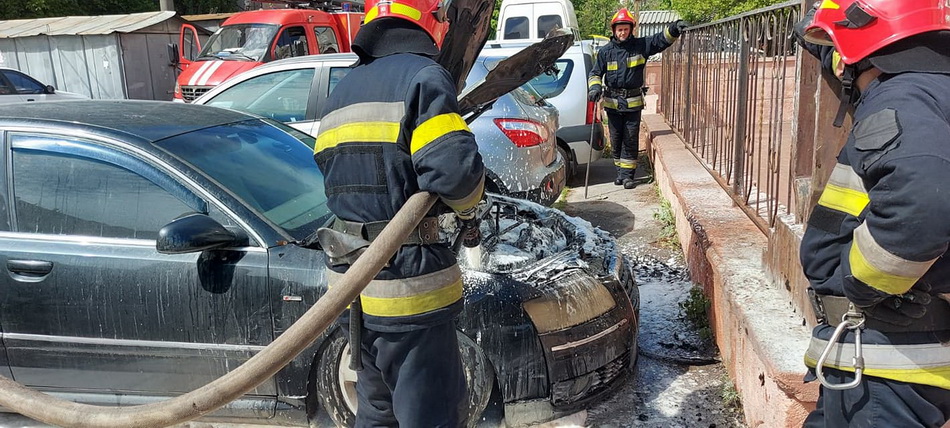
x=580 y=136
x=531 y=20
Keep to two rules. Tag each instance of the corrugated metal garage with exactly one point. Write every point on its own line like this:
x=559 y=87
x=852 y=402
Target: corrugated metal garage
x=108 y=57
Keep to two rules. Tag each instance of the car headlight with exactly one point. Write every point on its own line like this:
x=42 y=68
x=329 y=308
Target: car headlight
x=572 y=299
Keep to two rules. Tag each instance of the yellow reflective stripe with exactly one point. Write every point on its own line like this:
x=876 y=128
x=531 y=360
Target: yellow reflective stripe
x=434 y=128
x=469 y=201
x=610 y=103
x=625 y=163
x=408 y=287
x=594 y=80
x=396 y=8
x=412 y=305
x=669 y=37
x=828 y=4
x=847 y=200
x=361 y=112
x=875 y=266
x=844 y=176
x=612 y=65
x=635 y=101
x=635 y=61
x=358 y=132
x=926 y=364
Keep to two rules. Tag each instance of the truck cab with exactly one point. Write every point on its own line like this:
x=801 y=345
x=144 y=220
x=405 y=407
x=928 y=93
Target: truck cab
x=249 y=39
x=531 y=20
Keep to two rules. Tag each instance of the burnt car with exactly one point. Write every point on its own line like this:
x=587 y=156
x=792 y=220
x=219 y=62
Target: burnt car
x=95 y=309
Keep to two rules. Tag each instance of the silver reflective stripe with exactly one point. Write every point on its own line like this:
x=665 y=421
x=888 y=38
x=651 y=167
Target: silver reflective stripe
x=407 y=287
x=885 y=357
x=887 y=269
x=844 y=176
x=469 y=200
x=364 y=112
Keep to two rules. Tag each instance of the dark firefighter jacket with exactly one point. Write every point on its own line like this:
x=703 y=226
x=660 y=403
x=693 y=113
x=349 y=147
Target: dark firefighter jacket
x=881 y=224
x=392 y=129
x=620 y=65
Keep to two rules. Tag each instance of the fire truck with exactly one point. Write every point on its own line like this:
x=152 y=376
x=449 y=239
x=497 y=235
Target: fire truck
x=248 y=39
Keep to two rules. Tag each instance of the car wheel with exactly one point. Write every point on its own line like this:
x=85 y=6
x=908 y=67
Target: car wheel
x=570 y=165
x=336 y=383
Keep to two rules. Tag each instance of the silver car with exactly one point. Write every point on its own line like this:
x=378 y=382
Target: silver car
x=16 y=87
x=516 y=134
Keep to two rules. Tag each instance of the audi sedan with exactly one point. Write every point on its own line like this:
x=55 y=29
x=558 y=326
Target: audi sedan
x=95 y=308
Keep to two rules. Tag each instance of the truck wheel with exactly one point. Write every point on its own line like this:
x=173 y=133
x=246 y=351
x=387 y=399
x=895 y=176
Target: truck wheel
x=336 y=383
x=570 y=165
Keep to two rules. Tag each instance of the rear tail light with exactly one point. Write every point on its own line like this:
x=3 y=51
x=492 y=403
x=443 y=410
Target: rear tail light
x=591 y=107
x=523 y=133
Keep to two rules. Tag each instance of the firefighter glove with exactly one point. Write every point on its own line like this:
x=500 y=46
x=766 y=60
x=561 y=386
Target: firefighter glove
x=471 y=235
x=593 y=94
x=901 y=309
x=678 y=27
x=798 y=30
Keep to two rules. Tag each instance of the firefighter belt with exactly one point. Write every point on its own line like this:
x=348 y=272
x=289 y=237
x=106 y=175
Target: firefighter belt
x=830 y=309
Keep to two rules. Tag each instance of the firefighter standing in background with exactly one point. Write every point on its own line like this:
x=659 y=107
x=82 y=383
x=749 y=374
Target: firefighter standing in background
x=619 y=67
x=874 y=250
x=392 y=129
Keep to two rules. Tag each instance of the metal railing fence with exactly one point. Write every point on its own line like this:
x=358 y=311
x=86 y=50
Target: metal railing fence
x=728 y=89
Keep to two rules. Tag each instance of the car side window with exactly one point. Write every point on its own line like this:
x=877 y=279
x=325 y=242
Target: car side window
x=552 y=82
x=337 y=74
x=6 y=88
x=516 y=27
x=546 y=23
x=23 y=83
x=326 y=40
x=71 y=194
x=282 y=95
x=292 y=42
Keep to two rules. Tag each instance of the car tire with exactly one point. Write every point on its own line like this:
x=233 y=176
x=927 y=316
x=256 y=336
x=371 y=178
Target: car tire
x=570 y=165
x=336 y=383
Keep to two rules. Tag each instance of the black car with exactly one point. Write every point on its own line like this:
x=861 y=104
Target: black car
x=95 y=309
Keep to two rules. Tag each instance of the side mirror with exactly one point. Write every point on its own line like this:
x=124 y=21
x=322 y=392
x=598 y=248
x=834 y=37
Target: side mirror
x=50 y=89
x=172 y=49
x=196 y=232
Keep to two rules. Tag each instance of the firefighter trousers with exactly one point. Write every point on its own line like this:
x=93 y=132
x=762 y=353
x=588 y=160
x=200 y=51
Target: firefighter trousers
x=411 y=379
x=878 y=402
x=624 y=128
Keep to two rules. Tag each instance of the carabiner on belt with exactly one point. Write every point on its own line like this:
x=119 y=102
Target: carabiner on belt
x=851 y=320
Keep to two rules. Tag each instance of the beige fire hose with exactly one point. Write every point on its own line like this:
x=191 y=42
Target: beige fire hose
x=259 y=368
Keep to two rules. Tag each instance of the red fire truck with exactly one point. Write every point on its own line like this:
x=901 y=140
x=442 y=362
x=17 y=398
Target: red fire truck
x=249 y=39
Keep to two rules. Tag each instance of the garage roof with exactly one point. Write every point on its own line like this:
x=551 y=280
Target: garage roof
x=658 y=16
x=81 y=25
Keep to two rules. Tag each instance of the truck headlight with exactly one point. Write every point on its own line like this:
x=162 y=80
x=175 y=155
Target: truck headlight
x=570 y=300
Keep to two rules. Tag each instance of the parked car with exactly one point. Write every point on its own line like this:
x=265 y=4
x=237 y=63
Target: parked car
x=516 y=137
x=95 y=309
x=16 y=86
x=580 y=135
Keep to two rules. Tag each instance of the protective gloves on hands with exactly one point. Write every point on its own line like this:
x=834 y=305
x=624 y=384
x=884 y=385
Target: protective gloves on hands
x=901 y=309
x=677 y=27
x=594 y=94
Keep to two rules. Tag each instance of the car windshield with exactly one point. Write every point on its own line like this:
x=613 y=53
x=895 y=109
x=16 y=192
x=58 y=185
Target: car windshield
x=242 y=42
x=264 y=166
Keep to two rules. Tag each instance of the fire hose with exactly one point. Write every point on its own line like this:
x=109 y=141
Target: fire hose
x=257 y=369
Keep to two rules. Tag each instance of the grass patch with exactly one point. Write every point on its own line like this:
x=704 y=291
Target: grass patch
x=664 y=215
x=731 y=399
x=561 y=201
x=696 y=310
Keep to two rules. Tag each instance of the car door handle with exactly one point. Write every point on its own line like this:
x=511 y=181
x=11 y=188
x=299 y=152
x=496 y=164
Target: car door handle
x=30 y=267
x=31 y=99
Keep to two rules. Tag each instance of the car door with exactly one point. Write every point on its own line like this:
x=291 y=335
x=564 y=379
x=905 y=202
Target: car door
x=90 y=308
x=283 y=95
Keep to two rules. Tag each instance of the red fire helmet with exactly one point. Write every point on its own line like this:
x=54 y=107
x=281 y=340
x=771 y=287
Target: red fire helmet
x=430 y=15
x=858 y=28
x=622 y=16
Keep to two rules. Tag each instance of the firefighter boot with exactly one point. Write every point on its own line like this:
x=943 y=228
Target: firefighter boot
x=629 y=183
x=618 y=181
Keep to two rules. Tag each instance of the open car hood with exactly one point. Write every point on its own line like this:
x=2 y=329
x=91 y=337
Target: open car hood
x=515 y=71
x=467 y=34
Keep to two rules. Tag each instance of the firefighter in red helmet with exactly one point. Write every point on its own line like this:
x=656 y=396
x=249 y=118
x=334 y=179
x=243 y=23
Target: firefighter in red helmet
x=391 y=128
x=618 y=76
x=875 y=245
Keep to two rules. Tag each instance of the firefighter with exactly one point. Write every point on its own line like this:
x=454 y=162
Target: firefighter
x=875 y=243
x=391 y=128
x=619 y=67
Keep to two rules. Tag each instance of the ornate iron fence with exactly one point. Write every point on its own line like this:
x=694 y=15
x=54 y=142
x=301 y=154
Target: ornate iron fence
x=728 y=89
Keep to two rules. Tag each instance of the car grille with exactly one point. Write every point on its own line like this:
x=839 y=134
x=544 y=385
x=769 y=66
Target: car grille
x=570 y=391
x=189 y=93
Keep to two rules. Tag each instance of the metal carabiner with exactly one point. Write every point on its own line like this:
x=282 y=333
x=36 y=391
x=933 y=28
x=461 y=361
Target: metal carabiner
x=852 y=320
